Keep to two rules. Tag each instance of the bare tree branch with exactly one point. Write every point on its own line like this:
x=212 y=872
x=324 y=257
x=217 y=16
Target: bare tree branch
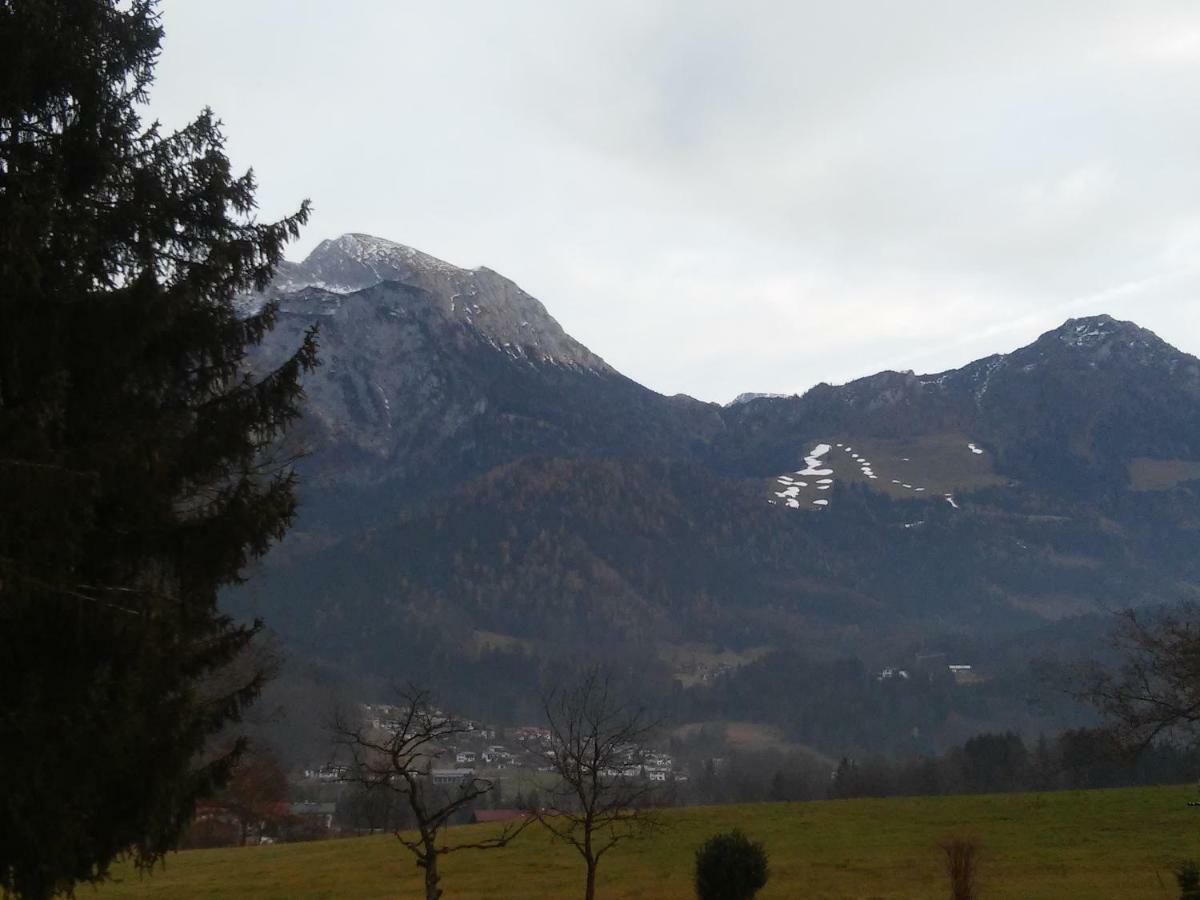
x=597 y=750
x=1155 y=692
x=400 y=758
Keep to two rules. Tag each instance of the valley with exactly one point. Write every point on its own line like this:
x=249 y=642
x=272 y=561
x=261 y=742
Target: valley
x=483 y=498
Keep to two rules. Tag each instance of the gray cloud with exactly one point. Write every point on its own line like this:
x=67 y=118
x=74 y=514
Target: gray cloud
x=720 y=197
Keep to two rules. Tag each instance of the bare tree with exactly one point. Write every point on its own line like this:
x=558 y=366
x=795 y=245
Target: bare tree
x=597 y=747
x=1156 y=690
x=398 y=757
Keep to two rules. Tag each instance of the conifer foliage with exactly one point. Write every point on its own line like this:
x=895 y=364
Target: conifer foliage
x=730 y=866
x=140 y=468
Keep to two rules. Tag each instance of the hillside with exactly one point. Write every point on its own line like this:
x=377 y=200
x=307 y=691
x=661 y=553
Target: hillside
x=1068 y=413
x=432 y=374
x=473 y=470
x=1075 y=845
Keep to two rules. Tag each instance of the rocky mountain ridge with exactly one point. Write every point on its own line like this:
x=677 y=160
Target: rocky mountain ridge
x=432 y=374
x=473 y=475
x=503 y=314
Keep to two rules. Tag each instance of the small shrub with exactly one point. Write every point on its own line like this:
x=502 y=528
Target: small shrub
x=962 y=864
x=730 y=867
x=1187 y=875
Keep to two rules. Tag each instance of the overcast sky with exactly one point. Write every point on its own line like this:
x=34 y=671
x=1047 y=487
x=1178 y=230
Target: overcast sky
x=726 y=197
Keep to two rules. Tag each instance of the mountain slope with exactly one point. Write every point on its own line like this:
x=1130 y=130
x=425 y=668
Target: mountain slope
x=477 y=475
x=431 y=374
x=1070 y=411
x=495 y=308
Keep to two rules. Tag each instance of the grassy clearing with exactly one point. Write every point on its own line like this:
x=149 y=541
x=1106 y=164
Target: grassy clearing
x=749 y=736
x=694 y=663
x=485 y=641
x=1079 y=845
x=939 y=463
x=1162 y=474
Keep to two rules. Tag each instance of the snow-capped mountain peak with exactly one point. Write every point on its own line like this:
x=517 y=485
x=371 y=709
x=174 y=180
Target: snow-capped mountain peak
x=483 y=301
x=747 y=396
x=355 y=261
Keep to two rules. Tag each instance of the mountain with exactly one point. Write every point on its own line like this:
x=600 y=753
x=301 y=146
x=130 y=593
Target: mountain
x=487 y=304
x=484 y=495
x=1076 y=407
x=432 y=374
x=747 y=396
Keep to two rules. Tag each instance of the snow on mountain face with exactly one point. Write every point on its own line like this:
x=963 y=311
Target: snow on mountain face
x=747 y=396
x=488 y=303
x=1105 y=332
x=1086 y=332
x=356 y=261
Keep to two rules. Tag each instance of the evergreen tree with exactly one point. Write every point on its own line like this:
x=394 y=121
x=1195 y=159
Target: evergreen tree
x=138 y=464
x=730 y=867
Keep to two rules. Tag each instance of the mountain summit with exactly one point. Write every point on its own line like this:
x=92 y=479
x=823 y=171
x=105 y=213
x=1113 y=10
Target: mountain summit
x=355 y=261
x=1098 y=342
x=433 y=373
x=1096 y=331
x=480 y=299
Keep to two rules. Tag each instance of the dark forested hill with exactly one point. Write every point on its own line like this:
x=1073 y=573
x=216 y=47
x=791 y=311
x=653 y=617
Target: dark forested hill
x=483 y=493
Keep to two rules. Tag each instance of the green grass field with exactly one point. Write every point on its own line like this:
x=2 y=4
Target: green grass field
x=1083 y=844
x=1161 y=474
x=689 y=661
x=940 y=463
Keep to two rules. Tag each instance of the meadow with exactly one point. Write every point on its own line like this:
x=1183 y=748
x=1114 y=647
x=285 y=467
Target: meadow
x=1069 y=845
x=938 y=466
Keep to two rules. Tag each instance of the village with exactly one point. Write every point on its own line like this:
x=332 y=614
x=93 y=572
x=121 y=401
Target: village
x=518 y=755
x=325 y=799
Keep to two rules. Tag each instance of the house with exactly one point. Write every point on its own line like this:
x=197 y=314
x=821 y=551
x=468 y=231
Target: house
x=527 y=733
x=328 y=772
x=312 y=813
x=464 y=756
x=496 y=756
x=451 y=776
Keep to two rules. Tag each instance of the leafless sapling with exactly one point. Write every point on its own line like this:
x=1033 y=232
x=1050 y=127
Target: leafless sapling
x=398 y=756
x=597 y=750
